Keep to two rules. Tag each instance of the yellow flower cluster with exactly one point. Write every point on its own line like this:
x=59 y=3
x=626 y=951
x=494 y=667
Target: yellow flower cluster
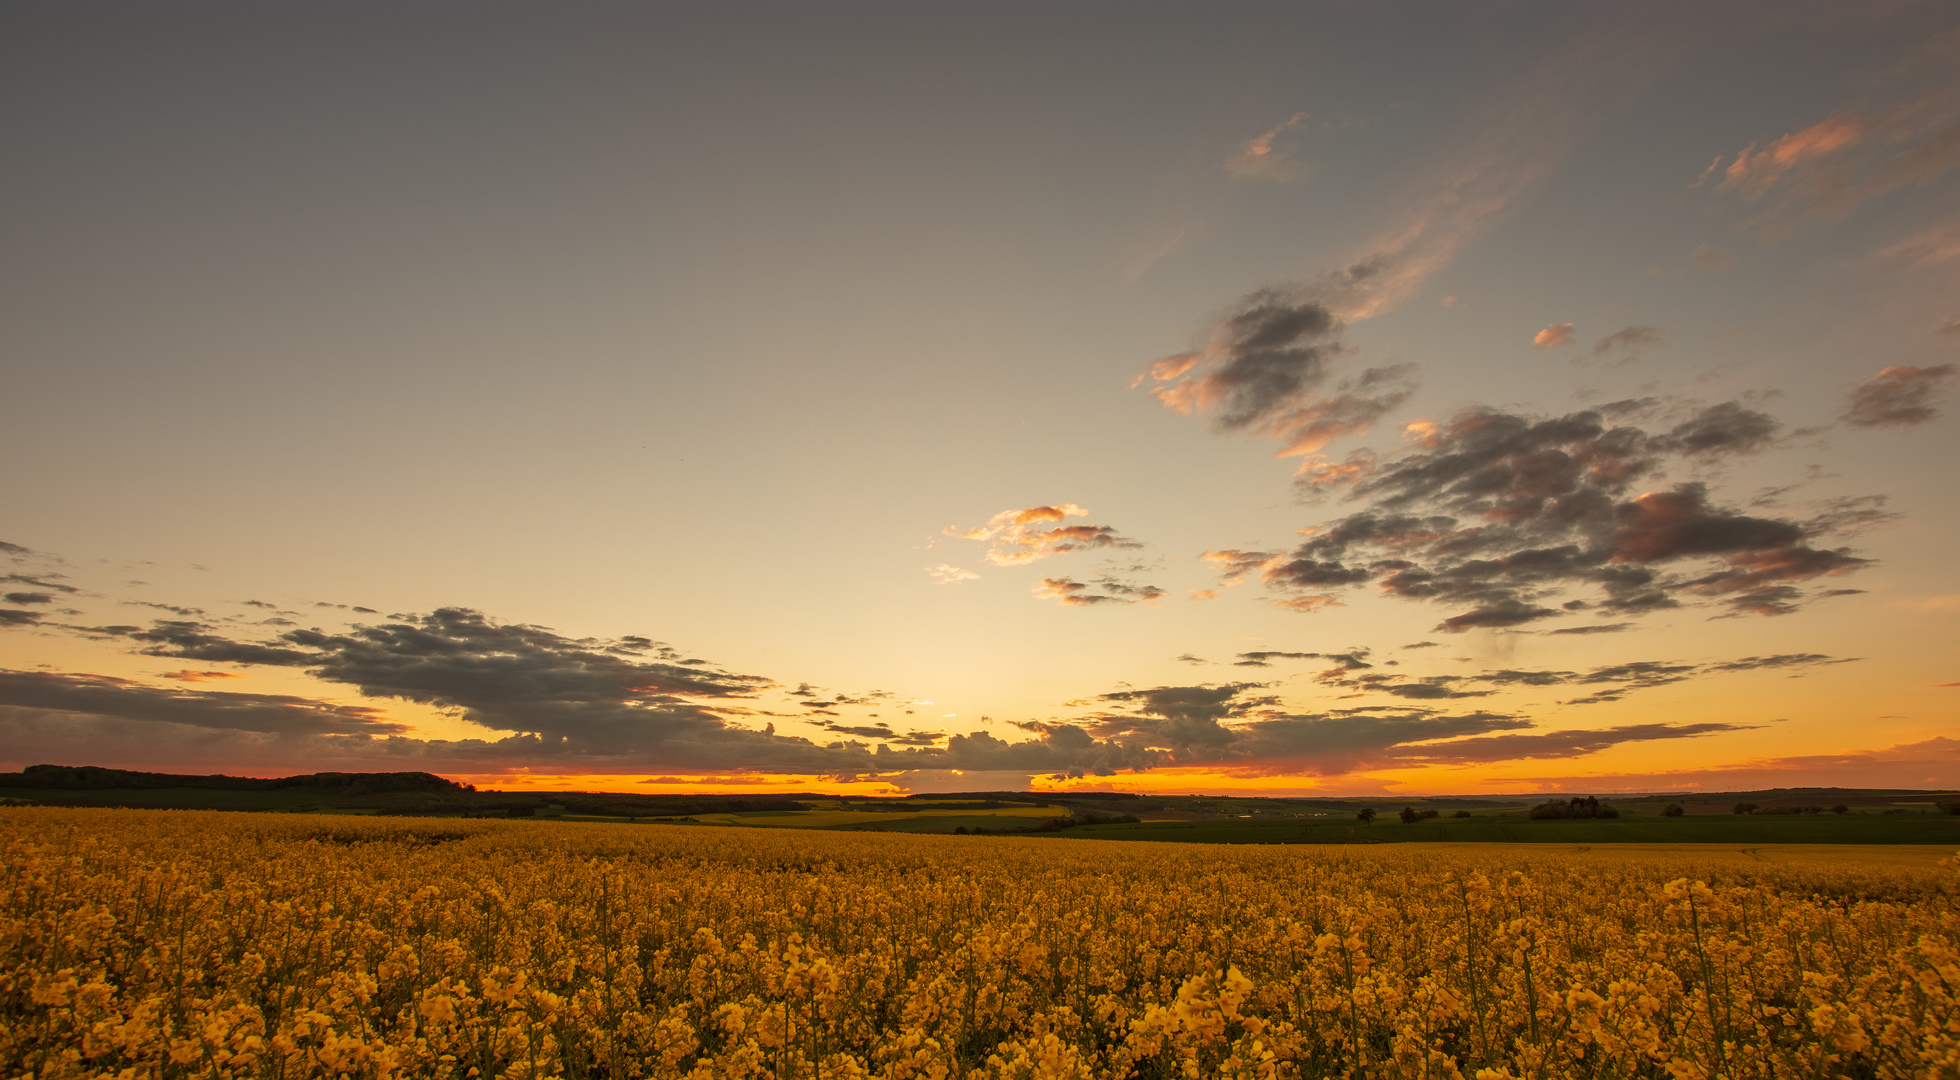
x=252 y=947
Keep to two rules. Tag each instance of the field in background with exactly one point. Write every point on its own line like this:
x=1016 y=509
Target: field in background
x=144 y=943
x=1783 y=816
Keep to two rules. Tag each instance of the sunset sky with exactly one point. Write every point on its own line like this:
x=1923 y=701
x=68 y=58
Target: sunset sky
x=880 y=397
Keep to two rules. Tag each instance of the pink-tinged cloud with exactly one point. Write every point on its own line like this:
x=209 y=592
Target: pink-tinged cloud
x=948 y=574
x=1906 y=132
x=1517 y=139
x=1261 y=159
x=1927 y=247
x=1754 y=171
x=1017 y=537
x=1553 y=335
x=1235 y=566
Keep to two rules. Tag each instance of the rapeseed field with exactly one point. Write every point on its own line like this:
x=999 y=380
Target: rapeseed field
x=191 y=944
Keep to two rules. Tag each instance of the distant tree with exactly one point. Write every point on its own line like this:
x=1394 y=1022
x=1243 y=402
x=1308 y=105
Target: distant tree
x=1948 y=807
x=1461 y=813
x=1559 y=809
x=1366 y=815
x=1673 y=809
x=1746 y=808
x=1840 y=809
x=1409 y=815
x=960 y=831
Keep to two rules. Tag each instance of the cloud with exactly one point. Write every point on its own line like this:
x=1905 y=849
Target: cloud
x=192 y=675
x=1508 y=611
x=1261 y=158
x=1352 y=672
x=1514 y=141
x=43 y=581
x=948 y=574
x=1032 y=534
x=547 y=701
x=1629 y=339
x=28 y=598
x=1710 y=257
x=1553 y=335
x=16 y=617
x=1933 y=762
x=1897 y=397
x=1265 y=658
x=102 y=695
x=1906 y=132
x=1500 y=515
x=1107 y=590
x=1554 y=744
x=1949 y=327
x=1229 y=726
x=1268 y=367
x=1929 y=247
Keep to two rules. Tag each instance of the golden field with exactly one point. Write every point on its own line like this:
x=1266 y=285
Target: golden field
x=190 y=944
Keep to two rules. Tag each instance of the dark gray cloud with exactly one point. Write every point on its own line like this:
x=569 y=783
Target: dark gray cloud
x=17 y=617
x=1265 y=658
x=1722 y=429
x=46 y=582
x=28 y=598
x=174 y=609
x=1614 y=680
x=1783 y=660
x=1502 y=516
x=189 y=640
x=14 y=550
x=1355 y=659
x=1267 y=367
x=101 y=695
x=1553 y=744
x=1897 y=397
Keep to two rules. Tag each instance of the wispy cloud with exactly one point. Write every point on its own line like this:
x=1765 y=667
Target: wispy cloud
x=1904 y=131
x=1265 y=157
x=948 y=574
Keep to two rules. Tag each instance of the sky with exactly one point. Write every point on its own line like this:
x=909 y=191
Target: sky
x=1290 y=399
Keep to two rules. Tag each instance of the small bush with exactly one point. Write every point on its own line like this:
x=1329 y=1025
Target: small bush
x=1745 y=808
x=1673 y=809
